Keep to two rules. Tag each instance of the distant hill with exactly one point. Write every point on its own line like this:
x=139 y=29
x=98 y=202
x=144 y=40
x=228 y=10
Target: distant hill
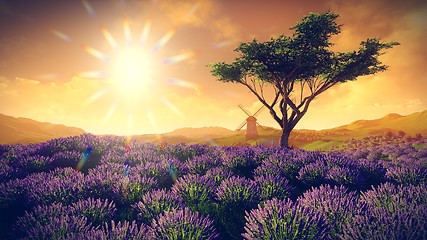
x=24 y=130
x=411 y=124
x=301 y=138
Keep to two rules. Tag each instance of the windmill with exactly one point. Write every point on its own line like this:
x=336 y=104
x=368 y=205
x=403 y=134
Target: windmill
x=250 y=122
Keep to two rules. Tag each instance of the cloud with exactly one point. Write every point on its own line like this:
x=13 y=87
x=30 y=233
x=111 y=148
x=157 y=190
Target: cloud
x=204 y=14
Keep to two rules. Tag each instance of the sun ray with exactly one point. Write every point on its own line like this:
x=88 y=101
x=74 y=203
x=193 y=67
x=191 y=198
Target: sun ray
x=109 y=37
x=152 y=120
x=89 y=8
x=110 y=112
x=96 y=96
x=193 y=10
x=179 y=58
x=92 y=74
x=221 y=44
x=181 y=83
x=165 y=39
x=96 y=53
x=126 y=29
x=130 y=122
x=61 y=35
x=171 y=106
x=145 y=31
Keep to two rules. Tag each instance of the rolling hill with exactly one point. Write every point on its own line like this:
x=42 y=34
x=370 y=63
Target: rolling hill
x=24 y=130
x=411 y=124
x=301 y=138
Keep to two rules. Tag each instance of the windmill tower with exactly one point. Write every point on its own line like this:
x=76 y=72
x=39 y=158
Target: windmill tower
x=250 y=122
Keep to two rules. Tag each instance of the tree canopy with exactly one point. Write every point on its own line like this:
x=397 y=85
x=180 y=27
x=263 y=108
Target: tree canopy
x=299 y=67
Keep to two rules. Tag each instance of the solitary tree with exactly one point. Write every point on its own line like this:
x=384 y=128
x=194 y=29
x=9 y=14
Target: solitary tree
x=299 y=68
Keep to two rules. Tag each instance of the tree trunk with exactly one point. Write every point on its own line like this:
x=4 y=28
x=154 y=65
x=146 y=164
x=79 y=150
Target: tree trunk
x=284 y=139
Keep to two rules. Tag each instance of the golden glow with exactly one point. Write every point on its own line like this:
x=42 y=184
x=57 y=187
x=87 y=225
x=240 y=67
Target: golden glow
x=131 y=71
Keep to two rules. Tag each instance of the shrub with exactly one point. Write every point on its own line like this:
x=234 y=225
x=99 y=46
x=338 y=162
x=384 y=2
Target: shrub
x=390 y=212
x=197 y=191
x=235 y=196
x=337 y=205
x=96 y=211
x=153 y=203
x=272 y=186
x=282 y=219
x=183 y=224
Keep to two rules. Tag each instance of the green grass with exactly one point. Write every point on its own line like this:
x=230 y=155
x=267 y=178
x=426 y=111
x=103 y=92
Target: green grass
x=321 y=145
x=419 y=146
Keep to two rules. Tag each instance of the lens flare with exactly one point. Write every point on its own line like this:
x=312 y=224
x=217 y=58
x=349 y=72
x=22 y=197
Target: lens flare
x=152 y=120
x=96 y=96
x=127 y=32
x=98 y=54
x=171 y=106
x=172 y=172
x=92 y=74
x=221 y=44
x=179 y=58
x=165 y=39
x=88 y=8
x=110 y=112
x=181 y=83
x=61 y=35
x=145 y=31
x=84 y=158
x=109 y=37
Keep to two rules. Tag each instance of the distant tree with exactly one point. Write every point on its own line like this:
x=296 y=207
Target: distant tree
x=409 y=138
x=299 y=68
x=418 y=136
x=389 y=135
x=401 y=134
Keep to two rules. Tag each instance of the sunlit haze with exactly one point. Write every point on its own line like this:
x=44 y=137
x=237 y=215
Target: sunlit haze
x=135 y=67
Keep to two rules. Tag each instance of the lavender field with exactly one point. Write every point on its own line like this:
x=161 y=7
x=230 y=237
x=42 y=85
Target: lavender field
x=91 y=187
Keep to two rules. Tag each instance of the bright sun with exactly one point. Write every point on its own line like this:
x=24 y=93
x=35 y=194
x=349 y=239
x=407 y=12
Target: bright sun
x=131 y=71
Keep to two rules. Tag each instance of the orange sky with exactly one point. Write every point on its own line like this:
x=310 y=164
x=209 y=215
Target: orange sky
x=48 y=71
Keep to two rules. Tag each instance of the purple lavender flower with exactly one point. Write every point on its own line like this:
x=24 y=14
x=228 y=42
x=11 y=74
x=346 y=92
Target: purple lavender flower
x=61 y=185
x=337 y=205
x=235 y=196
x=96 y=211
x=273 y=186
x=282 y=219
x=282 y=164
x=344 y=176
x=313 y=174
x=66 y=159
x=197 y=191
x=61 y=227
x=406 y=175
x=390 y=212
x=155 y=202
x=218 y=174
x=183 y=224
x=41 y=215
x=201 y=164
x=130 y=190
x=128 y=231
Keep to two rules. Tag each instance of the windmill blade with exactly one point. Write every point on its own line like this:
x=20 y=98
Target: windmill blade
x=244 y=110
x=260 y=126
x=241 y=126
x=259 y=111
